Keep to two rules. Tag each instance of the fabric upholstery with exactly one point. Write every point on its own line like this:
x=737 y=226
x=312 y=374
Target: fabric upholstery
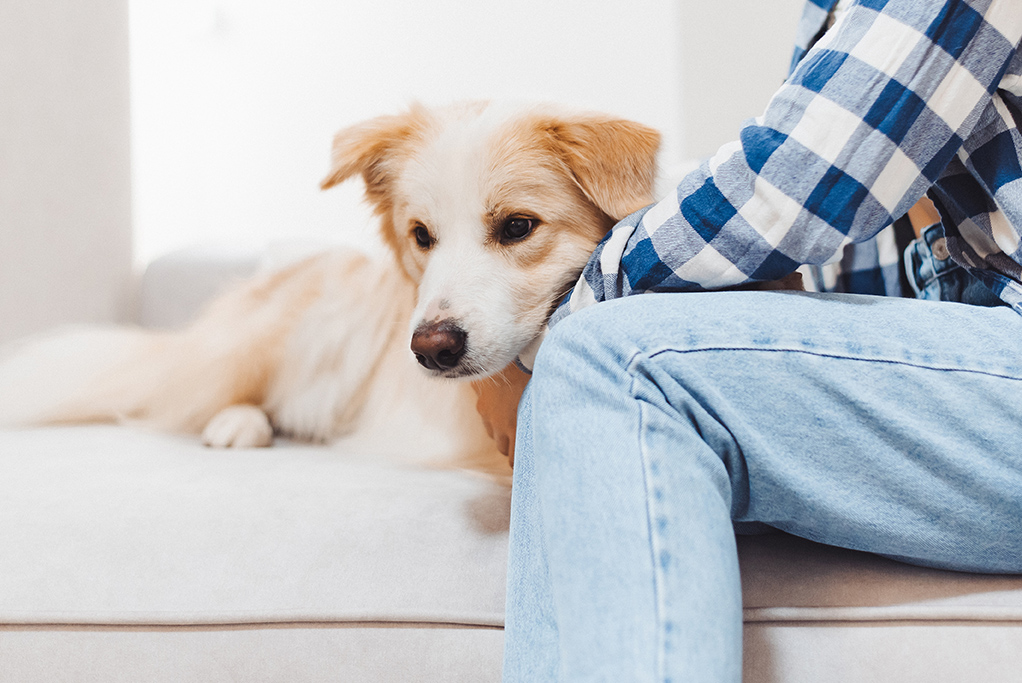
x=134 y=556
x=335 y=653
x=815 y=613
x=108 y=525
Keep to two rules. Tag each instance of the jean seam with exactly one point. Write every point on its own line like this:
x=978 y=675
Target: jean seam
x=655 y=542
x=937 y=277
x=840 y=356
x=664 y=628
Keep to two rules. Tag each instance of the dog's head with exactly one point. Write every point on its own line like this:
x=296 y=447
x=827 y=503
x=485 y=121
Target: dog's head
x=493 y=213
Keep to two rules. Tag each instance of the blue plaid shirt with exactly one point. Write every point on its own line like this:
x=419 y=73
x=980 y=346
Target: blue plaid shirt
x=899 y=98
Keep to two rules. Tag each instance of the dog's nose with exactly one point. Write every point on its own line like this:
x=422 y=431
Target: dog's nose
x=438 y=345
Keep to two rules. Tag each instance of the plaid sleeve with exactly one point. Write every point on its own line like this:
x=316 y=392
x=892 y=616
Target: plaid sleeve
x=867 y=121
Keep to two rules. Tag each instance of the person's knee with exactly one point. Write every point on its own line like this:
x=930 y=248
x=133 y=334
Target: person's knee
x=584 y=341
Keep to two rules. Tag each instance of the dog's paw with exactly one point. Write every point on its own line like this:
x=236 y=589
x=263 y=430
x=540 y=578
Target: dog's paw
x=240 y=426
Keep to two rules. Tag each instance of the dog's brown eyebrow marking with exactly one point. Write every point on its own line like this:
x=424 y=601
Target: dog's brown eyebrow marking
x=496 y=217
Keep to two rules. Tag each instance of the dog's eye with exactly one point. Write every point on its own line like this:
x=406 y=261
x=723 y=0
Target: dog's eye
x=516 y=228
x=422 y=237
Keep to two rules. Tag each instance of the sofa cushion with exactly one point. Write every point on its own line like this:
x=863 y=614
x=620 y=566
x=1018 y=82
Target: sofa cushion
x=129 y=555
x=109 y=525
x=793 y=580
x=252 y=653
x=815 y=613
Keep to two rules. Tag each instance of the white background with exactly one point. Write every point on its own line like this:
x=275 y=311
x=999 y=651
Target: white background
x=234 y=102
x=133 y=128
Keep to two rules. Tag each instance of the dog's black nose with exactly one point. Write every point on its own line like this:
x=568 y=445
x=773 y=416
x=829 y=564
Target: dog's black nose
x=439 y=345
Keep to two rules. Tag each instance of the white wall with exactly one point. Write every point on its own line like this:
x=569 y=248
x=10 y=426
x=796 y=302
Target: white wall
x=734 y=56
x=236 y=101
x=65 y=233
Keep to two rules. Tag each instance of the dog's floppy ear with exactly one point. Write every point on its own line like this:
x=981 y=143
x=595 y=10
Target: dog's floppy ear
x=373 y=149
x=612 y=160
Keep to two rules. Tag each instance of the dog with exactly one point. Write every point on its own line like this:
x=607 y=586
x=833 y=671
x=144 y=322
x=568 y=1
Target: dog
x=488 y=213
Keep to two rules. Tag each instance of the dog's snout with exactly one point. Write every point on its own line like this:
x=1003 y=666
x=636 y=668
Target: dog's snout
x=439 y=345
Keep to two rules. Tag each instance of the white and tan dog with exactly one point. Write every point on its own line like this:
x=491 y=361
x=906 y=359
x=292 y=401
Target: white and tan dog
x=490 y=214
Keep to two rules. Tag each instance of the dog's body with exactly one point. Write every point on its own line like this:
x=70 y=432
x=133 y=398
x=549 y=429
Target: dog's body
x=318 y=350
x=490 y=215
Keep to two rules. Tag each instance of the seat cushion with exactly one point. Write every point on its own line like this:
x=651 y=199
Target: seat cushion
x=815 y=613
x=129 y=555
x=790 y=579
x=149 y=537
x=119 y=526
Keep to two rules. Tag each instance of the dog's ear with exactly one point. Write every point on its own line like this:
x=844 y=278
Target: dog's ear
x=612 y=160
x=374 y=149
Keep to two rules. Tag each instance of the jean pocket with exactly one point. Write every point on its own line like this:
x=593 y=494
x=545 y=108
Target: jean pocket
x=935 y=276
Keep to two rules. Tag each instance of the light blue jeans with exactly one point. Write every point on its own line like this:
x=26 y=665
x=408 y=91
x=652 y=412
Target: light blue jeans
x=656 y=425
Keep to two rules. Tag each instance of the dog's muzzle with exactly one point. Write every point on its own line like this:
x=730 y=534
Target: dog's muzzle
x=439 y=345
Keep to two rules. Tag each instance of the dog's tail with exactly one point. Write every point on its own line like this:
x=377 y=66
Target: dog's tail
x=175 y=381
x=55 y=377
x=168 y=380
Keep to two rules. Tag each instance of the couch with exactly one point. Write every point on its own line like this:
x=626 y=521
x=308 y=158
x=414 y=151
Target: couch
x=129 y=555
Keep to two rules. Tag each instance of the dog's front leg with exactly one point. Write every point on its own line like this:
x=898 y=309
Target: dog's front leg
x=238 y=426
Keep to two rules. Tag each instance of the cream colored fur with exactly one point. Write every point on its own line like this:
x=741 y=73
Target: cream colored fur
x=319 y=350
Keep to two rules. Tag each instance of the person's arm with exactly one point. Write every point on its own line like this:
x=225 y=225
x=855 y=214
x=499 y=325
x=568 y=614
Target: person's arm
x=497 y=400
x=864 y=125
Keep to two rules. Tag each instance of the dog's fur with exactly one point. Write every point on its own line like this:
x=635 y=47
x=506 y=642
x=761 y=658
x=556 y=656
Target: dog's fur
x=320 y=350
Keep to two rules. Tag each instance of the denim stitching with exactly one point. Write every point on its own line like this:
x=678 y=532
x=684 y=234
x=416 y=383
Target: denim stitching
x=653 y=494
x=1005 y=374
x=656 y=544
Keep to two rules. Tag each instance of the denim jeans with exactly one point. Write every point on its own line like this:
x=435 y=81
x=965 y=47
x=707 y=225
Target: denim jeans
x=934 y=276
x=656 y=425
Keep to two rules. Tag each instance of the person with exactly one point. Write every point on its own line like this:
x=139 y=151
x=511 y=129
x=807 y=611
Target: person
x=656 y=426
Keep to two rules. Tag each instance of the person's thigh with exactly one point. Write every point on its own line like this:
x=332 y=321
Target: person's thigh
x=883 y=424
x=654 y=422
x=887 y=425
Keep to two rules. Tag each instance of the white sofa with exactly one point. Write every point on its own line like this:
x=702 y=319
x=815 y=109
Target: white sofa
x=135 y=556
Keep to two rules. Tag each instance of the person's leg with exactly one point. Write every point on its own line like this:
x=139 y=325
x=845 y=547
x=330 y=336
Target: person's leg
x=532 y=654
x=891 y=426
